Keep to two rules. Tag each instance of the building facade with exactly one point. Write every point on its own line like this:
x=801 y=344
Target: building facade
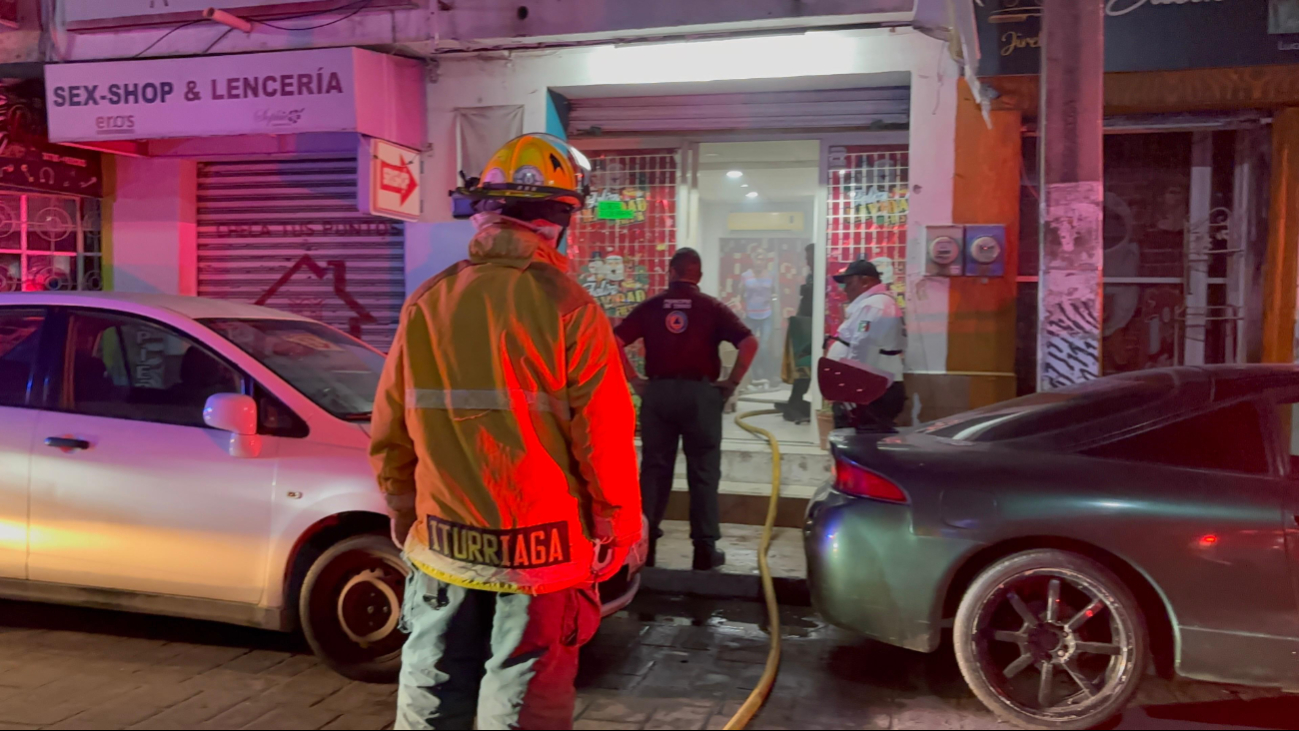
x=745 y=129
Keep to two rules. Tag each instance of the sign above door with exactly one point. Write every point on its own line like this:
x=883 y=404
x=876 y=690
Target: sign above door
x=1150 y=35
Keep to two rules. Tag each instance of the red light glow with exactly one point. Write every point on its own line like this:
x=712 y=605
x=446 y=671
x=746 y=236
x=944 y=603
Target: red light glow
x=1208 y=540
x=854 y=480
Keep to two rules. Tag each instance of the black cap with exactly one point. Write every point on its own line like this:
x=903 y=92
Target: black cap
x=859 y=268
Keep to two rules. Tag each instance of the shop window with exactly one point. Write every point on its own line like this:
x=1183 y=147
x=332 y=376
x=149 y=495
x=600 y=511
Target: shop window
x=1168 y=217
x=620 y=244
x=49 y=243
x=1229 y=439
x=866 y=218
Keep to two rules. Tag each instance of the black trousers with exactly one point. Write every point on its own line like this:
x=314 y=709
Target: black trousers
x=883 y=411
x=689 y=413
x=798 y=406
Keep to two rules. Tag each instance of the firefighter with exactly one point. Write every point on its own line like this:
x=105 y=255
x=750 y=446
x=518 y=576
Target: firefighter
x=682 y=400
x=503 y=440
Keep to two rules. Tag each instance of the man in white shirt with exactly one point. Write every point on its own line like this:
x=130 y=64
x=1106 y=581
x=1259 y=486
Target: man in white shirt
x=872 y=334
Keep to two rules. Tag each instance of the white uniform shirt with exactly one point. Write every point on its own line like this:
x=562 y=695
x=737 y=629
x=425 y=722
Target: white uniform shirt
x=872 y=332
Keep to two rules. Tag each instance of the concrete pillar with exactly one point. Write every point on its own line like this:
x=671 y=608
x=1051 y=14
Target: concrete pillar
x=1281 y=270
x=1072 y=109
x=155 y=226
x=981 y=325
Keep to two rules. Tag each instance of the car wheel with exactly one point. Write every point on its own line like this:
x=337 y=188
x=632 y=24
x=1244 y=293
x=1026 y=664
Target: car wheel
x=350 y=608
x=1051 y=639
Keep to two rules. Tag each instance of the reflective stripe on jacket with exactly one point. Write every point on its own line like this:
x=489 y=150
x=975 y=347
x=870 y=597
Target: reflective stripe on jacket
x=504 y=421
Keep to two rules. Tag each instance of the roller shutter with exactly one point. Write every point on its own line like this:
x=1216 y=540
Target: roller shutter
x=286 y=233
x=778 y=110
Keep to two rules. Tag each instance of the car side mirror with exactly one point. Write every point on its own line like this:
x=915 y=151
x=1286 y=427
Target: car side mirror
x=237 y=414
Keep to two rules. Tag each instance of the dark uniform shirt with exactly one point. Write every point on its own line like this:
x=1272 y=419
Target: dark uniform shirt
x=682 y=328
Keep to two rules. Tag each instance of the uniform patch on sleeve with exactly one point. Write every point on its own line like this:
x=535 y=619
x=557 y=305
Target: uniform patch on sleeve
x=864 y=326
x=677 y=322
x=518 y=548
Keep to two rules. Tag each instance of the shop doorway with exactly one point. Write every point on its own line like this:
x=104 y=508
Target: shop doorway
x=772 y=218
x=757 y=214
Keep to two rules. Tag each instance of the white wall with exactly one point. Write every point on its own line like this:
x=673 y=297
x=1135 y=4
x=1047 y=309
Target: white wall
x=822 y=59
x=155 y=231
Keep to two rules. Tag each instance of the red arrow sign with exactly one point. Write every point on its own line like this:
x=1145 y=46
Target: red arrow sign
x=397 y=179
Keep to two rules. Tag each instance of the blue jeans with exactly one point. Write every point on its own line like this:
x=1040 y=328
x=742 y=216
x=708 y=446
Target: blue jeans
x=763 y=330
x=509 y=659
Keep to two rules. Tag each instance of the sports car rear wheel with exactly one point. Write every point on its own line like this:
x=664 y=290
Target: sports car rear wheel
x=1051 y=639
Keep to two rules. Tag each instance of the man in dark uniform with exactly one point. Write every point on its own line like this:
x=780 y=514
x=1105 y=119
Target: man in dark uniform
x=682 y=399
x=798 y=409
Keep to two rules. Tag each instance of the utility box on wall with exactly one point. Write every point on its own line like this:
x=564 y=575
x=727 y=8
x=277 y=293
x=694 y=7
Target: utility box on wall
x=985 y=251
x=944 y=251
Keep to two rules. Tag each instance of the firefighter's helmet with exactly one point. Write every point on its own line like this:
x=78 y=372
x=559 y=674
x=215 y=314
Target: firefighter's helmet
x=533 y=167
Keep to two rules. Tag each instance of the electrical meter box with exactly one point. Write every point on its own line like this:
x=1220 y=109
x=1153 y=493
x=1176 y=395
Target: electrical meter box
x=985 y=251
x=944 y=251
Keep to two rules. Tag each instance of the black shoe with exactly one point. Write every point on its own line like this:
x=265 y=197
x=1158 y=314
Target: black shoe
x=651 y=556
x=707 y=557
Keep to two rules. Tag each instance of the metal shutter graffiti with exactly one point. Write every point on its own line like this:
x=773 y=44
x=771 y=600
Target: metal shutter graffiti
x=286 y=233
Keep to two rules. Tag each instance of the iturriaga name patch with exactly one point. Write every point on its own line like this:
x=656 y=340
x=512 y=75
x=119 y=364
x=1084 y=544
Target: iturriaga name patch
x=518 y=548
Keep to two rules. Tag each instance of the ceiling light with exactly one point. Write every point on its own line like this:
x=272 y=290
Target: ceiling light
x=751 y=194
x=733 y=174
x=744 y=185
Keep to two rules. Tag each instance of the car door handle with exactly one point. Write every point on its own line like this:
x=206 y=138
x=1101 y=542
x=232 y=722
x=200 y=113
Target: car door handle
x=66 y=443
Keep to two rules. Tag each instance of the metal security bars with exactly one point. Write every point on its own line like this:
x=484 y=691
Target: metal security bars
x=620 y=244
x=868 y=202
x=49 y=243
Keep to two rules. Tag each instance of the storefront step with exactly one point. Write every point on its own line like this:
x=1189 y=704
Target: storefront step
x=745 y=503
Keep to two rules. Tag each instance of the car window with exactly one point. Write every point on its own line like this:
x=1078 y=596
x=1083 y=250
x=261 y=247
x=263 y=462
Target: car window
x=276 y=419
x=1049 y=411
x=130 y=368
x=20 y=331
x=1229 y=439
x=336 y=371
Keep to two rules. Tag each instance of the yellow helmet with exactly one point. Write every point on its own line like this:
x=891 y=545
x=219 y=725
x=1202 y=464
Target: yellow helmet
x=534 y=167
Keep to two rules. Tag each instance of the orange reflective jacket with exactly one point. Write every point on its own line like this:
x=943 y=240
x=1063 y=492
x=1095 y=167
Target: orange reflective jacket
x=504 y=422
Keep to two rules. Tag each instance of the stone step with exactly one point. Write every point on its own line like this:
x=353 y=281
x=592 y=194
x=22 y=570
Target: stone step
x=738 y=578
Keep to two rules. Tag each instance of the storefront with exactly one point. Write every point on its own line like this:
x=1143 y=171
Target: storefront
x=749 y=150
x=50 y=201
x=283 y=179
x=1192 y=236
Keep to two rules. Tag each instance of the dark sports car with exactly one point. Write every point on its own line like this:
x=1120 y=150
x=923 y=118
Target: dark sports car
x=1074 y=539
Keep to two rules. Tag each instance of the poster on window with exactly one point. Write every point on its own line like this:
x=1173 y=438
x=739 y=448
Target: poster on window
x=866 y=218
x=622 y=240
x=617 y=285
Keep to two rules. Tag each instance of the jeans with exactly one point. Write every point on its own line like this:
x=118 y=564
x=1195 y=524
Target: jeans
x=509 y=659
x=688 y=413
x=763 y=330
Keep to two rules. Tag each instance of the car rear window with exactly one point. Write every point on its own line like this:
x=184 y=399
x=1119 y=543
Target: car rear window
x=1050 y=411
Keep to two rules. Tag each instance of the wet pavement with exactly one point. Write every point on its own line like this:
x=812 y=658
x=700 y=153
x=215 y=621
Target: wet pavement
x=666 y=663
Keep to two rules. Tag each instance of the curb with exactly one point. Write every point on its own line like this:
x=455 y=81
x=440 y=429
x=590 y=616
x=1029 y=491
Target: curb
x=717 y=585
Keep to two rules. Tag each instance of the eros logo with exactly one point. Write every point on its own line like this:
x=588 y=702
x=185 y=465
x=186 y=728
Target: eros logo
x=115 y=124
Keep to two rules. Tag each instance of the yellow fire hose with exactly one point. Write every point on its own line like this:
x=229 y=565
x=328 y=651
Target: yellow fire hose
x=768 y=679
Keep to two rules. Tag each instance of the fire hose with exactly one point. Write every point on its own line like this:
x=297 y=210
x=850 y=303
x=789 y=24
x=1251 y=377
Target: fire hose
x=760 y=692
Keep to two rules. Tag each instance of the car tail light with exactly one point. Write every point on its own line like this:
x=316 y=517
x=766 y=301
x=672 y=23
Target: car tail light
x=853 y=479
